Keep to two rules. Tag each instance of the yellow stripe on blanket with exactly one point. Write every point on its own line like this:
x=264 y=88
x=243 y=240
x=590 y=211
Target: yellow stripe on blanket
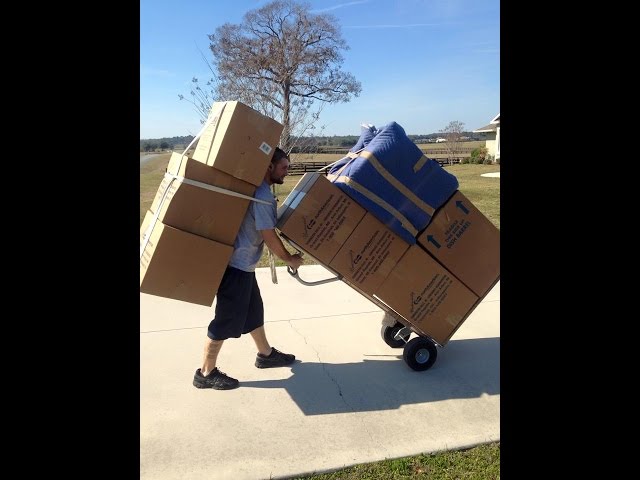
x=406 y=224
x=421 y=204
x=420 y=163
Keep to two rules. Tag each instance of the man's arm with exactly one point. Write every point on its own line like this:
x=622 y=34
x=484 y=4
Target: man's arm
x=275 y=244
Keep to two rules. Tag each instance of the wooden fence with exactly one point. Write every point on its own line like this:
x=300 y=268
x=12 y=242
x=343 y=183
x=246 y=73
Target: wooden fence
x=300 y=168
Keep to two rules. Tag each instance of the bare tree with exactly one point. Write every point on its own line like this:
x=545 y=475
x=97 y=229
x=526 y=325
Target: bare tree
x=203 y=98
x=452 y=133
x=284 y=62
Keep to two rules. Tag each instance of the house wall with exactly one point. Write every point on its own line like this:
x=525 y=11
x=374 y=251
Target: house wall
x=491 y=144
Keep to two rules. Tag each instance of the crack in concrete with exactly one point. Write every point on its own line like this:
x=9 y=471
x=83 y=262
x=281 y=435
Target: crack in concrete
x=328 y=374
x=324 y=368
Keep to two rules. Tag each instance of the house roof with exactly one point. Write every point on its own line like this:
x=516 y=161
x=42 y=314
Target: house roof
x=487 y=128
x=492 y=127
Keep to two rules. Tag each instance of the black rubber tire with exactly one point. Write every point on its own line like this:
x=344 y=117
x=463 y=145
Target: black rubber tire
x=388 y=334
x=420 y=353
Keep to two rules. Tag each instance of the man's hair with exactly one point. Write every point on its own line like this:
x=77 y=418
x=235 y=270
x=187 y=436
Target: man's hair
x=278 y=155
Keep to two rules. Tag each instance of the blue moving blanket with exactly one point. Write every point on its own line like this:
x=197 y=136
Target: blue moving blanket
x=389 y=176
x=367 y=132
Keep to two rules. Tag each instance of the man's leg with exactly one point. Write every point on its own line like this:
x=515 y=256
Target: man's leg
x=209 y=376
x=268 y=357
x=231 y=309
x=223 y=326
x=259 y=336
x=211 y=350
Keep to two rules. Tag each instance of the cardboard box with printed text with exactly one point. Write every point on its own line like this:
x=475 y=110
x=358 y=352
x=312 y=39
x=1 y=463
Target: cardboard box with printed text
x=369 y=254
x=318 y=217
x=239 y=141
x=428 y=296
x=465 y=242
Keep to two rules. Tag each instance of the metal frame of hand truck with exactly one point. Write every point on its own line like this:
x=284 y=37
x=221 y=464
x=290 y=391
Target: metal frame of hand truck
x=419 y=353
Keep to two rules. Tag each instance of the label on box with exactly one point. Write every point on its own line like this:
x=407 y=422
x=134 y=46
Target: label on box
x=265 y=147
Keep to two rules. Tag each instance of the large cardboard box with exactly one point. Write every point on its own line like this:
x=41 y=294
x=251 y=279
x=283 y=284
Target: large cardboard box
x=462 y=239
x=239 y=141
x=425 y=294
x=195 y=209
x=318 y=217
x=181 y=265
x=369 y=254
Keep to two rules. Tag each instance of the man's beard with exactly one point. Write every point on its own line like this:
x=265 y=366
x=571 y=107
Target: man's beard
x=277 y=180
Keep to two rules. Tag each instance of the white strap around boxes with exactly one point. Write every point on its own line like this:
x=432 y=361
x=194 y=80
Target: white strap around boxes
x=213 y=188
x=216 y=113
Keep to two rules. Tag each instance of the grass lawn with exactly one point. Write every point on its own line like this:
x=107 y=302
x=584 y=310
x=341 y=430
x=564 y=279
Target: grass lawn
x=477 y=463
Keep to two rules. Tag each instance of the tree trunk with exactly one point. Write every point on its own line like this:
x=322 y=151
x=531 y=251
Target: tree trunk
x=286 y=132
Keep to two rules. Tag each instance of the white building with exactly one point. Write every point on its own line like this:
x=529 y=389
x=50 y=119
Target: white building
x=493 y=136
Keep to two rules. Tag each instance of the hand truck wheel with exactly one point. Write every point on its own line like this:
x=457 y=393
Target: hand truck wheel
x=389 y=335
x=420 y=353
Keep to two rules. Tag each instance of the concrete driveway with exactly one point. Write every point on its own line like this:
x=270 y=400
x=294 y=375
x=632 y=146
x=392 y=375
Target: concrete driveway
x=349 y=399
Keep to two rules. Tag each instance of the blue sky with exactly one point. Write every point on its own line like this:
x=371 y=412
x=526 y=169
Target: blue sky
x=421 y=63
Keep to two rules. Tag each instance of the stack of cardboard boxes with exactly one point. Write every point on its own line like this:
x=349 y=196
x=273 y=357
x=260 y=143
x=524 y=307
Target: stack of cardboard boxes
x=187 y=236
x=434 y=284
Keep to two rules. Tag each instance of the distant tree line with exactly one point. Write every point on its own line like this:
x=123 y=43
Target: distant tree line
x=310 y=144
x=165 y=143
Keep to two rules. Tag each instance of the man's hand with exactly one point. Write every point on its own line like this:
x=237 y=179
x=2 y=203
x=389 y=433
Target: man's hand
x=275 y=244
x=295 y=261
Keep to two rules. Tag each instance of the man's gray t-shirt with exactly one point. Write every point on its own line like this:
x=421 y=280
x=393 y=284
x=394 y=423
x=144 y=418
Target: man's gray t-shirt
x=249 y=243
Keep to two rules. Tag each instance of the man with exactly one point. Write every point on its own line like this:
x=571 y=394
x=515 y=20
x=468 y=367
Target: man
x=239 y=307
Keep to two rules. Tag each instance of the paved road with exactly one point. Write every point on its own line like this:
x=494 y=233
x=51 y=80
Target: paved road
x=145 y=158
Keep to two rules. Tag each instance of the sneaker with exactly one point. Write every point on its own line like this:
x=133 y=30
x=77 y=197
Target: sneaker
x=216 y=379
x=275 y=359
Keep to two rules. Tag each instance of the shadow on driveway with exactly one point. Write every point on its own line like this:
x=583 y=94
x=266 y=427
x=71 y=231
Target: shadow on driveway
x=464 y=369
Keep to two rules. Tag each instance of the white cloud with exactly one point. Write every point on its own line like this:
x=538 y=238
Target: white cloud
x=335 y=7
x=406 y=25
x=155 y=72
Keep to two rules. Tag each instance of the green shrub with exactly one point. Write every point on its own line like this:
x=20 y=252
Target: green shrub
x=478 y=155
